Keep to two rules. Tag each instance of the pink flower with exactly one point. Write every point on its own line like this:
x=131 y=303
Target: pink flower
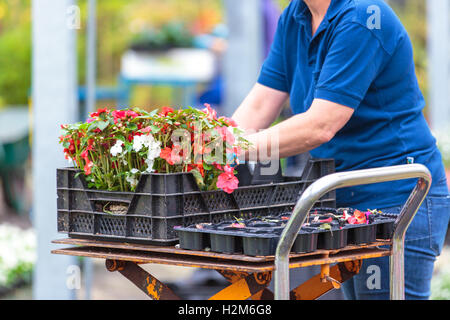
x=146 y=130
x=132 y=114
x=238 y=225
x=227 y=181
x=212 y=114
x=226 y=135
x=229 y=121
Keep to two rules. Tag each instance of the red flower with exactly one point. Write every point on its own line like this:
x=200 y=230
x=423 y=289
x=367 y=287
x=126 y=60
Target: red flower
x=84 y=155
x=99 y=112
x=201 y=169
x=88 y=168
x=227 y=181
x=119 y=114
x=172 y=156
x=165 y=111
x=357 y=218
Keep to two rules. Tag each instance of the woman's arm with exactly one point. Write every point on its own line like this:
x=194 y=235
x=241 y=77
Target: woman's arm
x=260 y=108
x=300 y=133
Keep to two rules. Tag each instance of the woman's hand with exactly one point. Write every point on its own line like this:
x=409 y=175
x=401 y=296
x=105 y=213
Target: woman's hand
x=300 y=133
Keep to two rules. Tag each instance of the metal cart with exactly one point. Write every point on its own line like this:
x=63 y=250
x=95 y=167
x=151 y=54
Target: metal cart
x=250 y=276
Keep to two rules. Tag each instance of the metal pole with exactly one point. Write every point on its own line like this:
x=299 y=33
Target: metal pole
x=347 y=179
x=54 y=85
x=91 y=87
x=91 y=56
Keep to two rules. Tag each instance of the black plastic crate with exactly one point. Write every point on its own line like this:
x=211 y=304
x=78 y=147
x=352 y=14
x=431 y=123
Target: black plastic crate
x=163 y=201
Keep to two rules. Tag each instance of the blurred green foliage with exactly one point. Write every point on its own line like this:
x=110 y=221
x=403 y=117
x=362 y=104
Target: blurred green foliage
x=413 y=16
x=15 y=51
x=171 y=35
x=119 y=21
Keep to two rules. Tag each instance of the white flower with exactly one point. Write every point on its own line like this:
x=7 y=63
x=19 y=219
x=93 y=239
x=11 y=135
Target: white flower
x=117 y=148
x=134 y=171
x=17 y=252
x=149 y=163
x=132 y=181
x=154 y=150
x=139 y=142
x=149 y=142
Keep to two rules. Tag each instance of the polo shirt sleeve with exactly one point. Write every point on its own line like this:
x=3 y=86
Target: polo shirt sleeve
x=273 y=72
x=352 y=63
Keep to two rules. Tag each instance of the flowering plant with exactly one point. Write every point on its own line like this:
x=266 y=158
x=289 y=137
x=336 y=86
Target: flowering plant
x=17 y=254
x=114 y=147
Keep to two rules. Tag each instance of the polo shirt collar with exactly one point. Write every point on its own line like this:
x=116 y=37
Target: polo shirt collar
x=302 y=13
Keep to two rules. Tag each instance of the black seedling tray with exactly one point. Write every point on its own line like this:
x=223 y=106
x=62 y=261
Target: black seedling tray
x=260 y=236
x=385 y=226
x=163 y=201
x=362 y=234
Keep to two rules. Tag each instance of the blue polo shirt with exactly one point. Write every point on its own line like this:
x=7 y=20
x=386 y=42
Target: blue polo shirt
x=360 y=57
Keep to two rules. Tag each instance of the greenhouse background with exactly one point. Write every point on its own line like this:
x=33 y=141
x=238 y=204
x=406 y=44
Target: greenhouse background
x=60 y=59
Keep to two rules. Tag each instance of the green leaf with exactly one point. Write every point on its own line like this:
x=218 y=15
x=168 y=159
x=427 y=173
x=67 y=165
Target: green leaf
x=132 y=126
x=78 y=174
x=102 y=125
x=121 y=138
x=155 y=129
x=129 y=147
x=198 y=177
x=207 y=166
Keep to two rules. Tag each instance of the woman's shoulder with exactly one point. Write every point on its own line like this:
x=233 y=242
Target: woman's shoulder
x=377 y=17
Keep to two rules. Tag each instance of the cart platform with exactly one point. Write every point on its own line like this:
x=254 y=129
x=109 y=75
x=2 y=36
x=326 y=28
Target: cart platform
x=238 y=269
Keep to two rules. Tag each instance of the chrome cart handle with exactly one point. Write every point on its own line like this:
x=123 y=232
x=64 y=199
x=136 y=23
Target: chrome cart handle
x=348 y=179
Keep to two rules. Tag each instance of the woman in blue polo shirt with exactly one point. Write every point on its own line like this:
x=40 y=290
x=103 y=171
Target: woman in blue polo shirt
x=347 y=68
